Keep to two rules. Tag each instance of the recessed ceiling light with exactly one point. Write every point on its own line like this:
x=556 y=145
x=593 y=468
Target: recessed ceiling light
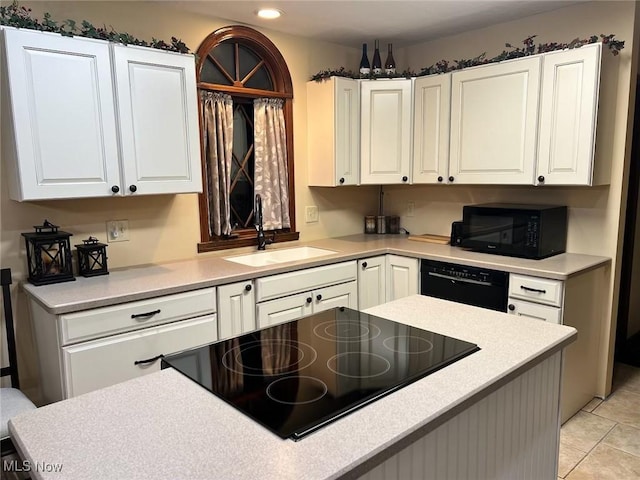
x=269 y=13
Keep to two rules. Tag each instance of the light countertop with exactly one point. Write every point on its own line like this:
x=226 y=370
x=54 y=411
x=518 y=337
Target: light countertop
x=163 y=425
x=138 y=283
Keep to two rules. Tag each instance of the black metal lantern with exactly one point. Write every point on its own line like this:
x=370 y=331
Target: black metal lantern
x=48 y=255
x=92 y=258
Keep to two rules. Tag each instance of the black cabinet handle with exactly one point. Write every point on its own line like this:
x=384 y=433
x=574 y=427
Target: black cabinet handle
x=309 y=299
x=115 y=189
x=145 y=315
x=248 y=288
x=364 y=264
x=133 y=188
x=440 y=179
x=148 y=360
x=541 y=179
x=341 y=180
x=511 y=307
x=451 y=179
x=529 y=289
x=318 y=297
x=405 y=178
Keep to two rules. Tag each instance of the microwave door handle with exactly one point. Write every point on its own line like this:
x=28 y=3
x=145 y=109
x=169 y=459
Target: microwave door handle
x=456 y=279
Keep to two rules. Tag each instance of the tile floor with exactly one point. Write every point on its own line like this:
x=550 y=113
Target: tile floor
x=602 y=441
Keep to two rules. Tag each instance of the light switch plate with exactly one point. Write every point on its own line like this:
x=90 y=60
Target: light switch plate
x=117 y=231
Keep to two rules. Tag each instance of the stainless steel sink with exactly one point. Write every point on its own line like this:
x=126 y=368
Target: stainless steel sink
x=271 y=257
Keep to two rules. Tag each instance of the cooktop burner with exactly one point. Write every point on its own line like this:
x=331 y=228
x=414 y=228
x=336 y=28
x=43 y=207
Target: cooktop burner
x=296 y=377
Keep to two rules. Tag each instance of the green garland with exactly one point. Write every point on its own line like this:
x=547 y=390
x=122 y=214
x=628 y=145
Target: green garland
x=20 y=17
x=443 y=66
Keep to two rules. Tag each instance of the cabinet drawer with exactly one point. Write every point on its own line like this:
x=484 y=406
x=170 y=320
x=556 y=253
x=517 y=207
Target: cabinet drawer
x=534 y=289
x=535 y=311
x=99 y=363
x=284 y=309
x=276 y=286
x=104 y=321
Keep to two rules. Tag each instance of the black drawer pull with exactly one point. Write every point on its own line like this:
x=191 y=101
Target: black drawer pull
x=145 y=315
x=309 y=299
x=318 y=297
x=529 y=289
x=148 y=360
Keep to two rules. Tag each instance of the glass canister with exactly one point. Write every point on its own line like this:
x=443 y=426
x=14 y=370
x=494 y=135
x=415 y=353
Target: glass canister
x=381 y=224
x=393 y=224
x=370 y=224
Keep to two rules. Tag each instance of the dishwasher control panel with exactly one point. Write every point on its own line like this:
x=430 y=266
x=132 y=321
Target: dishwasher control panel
x=481 y=287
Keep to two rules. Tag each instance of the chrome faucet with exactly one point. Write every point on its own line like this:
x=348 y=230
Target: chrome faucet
x=262 y=240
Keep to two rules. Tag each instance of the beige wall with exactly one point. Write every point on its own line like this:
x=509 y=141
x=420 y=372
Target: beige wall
x=595 y=212
x=166 y=227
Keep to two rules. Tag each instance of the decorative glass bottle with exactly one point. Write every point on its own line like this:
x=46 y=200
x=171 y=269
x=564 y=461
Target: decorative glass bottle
x=376 y=65
x=365 y=67
x=390 y=63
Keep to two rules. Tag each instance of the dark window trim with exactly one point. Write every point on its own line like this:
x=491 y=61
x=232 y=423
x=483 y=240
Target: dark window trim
x=283 y=88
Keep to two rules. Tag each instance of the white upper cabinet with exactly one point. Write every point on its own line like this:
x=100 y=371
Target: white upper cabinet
x=494 y=118
x=78 y=133
x=158 y=108
x=431 y=110
x=333 y=129
x=63 y=117
x=568 y=109
x=386 y=131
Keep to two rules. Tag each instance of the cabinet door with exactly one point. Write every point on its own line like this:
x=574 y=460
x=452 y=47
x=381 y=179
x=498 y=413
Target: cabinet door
x=333 y=132
x=494 y=114
x=431 y=117
x=99 y=363
x=236 y=309
x=284 y=309
x=535 y=311
x=386 y=108
x=158 y=110
x=568 y=109
x=402 y=277
x=372 y=280
x=343 y=295
x=63 y=116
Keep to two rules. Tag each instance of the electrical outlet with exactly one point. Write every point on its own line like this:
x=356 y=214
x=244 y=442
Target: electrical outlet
x=311 y=214
x=411 y=207
x=117 y=231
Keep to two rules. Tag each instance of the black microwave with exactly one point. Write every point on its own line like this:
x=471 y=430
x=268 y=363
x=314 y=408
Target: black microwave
x=529 y=231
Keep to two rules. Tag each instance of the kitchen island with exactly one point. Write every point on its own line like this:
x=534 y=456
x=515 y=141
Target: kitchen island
x=493 y=414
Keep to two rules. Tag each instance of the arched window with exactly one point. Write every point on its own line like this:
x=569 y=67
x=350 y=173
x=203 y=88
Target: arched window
x=240 y=62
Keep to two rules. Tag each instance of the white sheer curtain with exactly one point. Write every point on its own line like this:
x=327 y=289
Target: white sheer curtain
x=217 y=119
x=271 y=179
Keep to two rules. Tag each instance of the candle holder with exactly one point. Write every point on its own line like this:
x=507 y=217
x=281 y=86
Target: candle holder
x=92 y=258
x=48 y=255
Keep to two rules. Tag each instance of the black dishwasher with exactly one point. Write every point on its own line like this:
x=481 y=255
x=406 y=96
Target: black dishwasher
x=463 y=284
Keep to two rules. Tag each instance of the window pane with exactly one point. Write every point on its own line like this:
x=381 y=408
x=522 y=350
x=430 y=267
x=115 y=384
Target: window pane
x=224 y=53
x=211 y=74
x=248 y=60
x=242 y=167
x=260 y=80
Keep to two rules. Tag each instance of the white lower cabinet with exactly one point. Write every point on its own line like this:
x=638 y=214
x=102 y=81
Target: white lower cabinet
x=536 y=311
x=293 y=307
x=236 y=309
x=99 y=363
x=385 y=278
x=372 y=281
x=91 y=349
x=402 y=277
x=576 y=302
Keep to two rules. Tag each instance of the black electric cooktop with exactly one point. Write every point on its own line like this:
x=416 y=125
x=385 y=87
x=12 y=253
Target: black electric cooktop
x=296 y=377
